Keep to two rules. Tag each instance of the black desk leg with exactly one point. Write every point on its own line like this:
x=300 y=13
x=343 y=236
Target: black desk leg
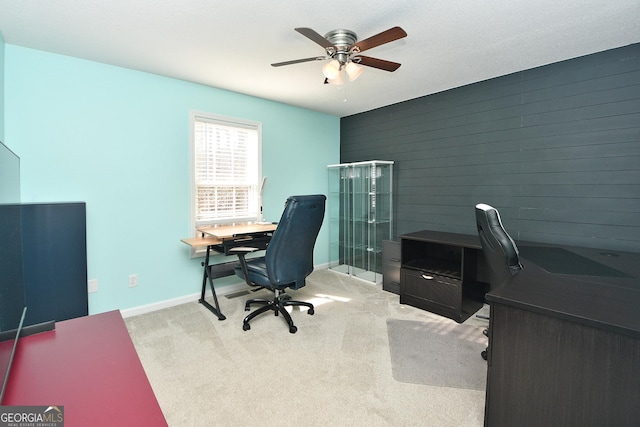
x=207 y=277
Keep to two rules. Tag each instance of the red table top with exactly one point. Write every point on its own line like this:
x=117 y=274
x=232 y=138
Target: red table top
x=88 y=365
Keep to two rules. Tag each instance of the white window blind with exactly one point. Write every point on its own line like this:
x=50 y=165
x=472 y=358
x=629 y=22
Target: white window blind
x=225 y=169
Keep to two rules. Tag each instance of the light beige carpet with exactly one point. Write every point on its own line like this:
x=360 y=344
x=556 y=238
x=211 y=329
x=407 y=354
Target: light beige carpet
x=336 y=370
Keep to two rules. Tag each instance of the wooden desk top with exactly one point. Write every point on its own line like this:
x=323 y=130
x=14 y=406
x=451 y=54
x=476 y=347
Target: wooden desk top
x=88 y=365
x=197 y=242
x=229 y=231
x=216 y=235
x=601 y=301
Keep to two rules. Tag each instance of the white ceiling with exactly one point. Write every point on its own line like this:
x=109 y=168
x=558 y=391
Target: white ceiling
x=231 y=44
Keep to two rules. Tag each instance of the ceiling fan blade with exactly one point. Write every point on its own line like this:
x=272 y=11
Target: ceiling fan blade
x=377 y=63
x=390 y=35
x=315 y=37
x=297 y=61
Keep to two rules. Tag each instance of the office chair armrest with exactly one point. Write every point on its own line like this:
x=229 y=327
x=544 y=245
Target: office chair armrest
x=242 y=251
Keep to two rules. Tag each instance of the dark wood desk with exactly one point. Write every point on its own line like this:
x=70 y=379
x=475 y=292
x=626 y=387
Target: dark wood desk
x=565 y=347
x=220 y=240
x=88 y=365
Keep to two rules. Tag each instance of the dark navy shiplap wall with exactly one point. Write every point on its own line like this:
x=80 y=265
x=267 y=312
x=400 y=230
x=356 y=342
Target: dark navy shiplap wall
x=556 y=149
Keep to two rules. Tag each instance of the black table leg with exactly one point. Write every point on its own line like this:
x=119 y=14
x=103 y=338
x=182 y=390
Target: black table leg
x=207 y=277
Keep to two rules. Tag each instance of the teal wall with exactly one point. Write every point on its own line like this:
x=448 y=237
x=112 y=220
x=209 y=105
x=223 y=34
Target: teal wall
x=1 y=88
x=118 y=139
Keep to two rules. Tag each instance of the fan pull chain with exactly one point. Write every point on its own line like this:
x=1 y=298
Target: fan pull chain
x=344 y=97
x=343 y=87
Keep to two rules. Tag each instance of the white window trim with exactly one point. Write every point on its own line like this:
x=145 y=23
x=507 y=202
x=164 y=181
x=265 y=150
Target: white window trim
x=228 y=121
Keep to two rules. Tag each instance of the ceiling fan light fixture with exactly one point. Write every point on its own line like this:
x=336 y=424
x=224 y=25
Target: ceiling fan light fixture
x=338 y=81
x=331 y=69
x=353 y=70
x=343 y=50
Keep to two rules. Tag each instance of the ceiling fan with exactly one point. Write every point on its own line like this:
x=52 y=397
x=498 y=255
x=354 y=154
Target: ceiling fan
x=344 y=52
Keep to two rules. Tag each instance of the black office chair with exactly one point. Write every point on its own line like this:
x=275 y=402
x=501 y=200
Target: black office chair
x=500 y=251
x=288 y=259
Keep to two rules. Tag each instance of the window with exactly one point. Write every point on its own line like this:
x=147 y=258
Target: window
x=225 y=169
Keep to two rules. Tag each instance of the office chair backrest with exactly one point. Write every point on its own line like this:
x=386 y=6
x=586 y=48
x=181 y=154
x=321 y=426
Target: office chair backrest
x=500 y=251
x=289 y=256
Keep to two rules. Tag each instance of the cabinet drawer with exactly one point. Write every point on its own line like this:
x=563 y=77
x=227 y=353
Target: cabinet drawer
x=433 y=289
x=391 y=278
x=391 y=251
x=391 y=266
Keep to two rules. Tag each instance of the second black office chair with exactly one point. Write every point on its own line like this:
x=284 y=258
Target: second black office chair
x=500 y=251
x=288 y=259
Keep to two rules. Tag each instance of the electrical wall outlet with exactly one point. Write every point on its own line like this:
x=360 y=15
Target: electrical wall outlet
x=92 y=286
x=133 y=280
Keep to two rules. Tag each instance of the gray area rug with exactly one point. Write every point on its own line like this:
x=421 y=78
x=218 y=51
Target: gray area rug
x=438 y=354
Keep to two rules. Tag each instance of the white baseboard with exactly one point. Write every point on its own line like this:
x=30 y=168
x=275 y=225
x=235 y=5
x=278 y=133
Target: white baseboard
x=148 y=308
x=229 y=289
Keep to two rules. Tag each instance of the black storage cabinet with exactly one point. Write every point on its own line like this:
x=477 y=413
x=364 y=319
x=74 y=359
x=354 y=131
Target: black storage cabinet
x=441 y=272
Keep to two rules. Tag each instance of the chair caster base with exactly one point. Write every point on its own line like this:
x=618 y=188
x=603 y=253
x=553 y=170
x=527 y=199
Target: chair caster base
x=278 y=307
x=484 y=354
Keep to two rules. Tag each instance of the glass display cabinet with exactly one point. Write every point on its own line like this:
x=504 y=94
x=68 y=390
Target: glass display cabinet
x=360 y=217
